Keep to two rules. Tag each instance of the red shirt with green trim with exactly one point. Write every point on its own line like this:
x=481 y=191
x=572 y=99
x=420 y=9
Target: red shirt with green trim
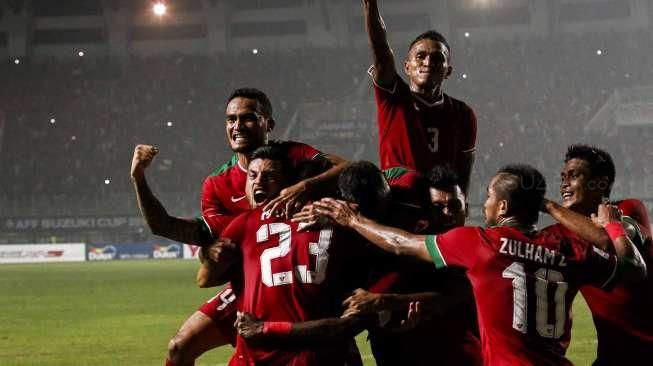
x=624 y=316
x=294 y=276
x=419 y=135
x=524 y=286
x=223 y=192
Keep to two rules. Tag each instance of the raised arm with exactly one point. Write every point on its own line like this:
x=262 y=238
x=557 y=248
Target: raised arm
x=384 y=72
x=388 y=238
x=185 y=230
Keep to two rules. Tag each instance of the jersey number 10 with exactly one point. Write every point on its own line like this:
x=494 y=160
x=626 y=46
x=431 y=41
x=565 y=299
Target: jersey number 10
x=301 y=273
x=543 y=277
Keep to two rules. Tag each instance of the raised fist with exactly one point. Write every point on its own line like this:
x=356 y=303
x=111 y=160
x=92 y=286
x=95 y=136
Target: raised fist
x=143 y=155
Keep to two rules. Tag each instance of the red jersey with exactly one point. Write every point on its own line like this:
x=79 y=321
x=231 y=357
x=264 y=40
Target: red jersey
x=524 y=286
x=453 y=335
x=294 y=276
x=223 y=192
x=418 y=135
x=623 y=317
x=223 y=198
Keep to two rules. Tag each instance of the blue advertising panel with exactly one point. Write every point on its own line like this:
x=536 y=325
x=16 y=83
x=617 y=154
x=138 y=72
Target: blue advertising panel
x=118 y=251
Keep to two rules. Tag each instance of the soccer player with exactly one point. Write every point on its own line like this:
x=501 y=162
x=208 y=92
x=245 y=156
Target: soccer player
x=524 y=280
x=445 y=297
x=248 y=121
x=419 y=125
x=363 y=184
x=289 y=275
x=622 y=317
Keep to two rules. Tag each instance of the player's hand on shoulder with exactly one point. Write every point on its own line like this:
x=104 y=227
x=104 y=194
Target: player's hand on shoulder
x=290 y=200
x=249 y=327
x=340 y=212
x=143 y=156
x=327 y=210
x=222 y=250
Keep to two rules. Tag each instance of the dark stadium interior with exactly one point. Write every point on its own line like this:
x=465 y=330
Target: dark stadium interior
x=533 y=95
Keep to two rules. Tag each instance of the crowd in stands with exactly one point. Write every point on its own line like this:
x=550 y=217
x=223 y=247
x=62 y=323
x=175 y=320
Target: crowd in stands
x=72 y=125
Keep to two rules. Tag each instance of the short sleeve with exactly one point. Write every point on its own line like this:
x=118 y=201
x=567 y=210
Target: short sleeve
x=455 y=248
x=391 y=90
x=299 y=152
x=214 y=218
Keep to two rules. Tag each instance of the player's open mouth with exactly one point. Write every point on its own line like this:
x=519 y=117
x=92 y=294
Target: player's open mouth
x=566 y=195
x=260 y=197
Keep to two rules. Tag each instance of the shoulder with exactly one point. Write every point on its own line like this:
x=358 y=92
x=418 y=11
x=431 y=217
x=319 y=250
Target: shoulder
x=224 y=168
x=400 y=174
x=632 y=207
x=297 y=150
x=466 y=233
x=242 y=221
x=459 y=106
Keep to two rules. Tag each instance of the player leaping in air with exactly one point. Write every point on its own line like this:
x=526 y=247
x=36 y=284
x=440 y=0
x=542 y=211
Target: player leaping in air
x=419 y=125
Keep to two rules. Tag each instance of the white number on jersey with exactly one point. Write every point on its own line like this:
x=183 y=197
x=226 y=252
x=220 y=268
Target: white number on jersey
x=301 y=272
x=434 y=134
x=543 y=277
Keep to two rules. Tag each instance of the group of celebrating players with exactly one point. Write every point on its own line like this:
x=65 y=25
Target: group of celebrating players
x=316 y=249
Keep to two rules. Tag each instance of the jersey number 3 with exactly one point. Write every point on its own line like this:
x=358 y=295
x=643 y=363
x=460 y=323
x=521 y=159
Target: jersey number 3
x=301 y=273
x=543 y=278
x=434 y=134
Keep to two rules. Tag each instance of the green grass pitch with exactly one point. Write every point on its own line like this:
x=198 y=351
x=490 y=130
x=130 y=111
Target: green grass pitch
x=124 y=313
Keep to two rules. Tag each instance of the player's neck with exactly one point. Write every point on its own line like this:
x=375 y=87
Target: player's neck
x=514 y=222
x=430 y=95
x=243 y=161
x=587 y=208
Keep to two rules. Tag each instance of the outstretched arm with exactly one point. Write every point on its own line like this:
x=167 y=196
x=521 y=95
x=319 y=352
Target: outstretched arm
x=364 y=302
x=384 y=72
x=579 y=224
x=291 y=199
x=185 y=230
x=388 y=238
x=309 y=332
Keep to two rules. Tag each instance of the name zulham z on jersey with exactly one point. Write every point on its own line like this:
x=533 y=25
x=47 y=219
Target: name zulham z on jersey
x=536 y=253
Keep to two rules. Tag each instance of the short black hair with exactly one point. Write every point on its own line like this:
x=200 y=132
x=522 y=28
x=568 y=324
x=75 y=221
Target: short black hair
x=524 y=188
x=274 y=153
x=363 y=183
x=311 y=168
x=443 y=177
x=263 y=105
x=599 y=161
x=432 y=35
